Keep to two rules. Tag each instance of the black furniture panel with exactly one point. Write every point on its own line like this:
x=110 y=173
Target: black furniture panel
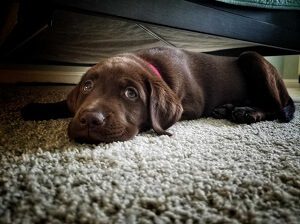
x=203 y=17
x=44 y=30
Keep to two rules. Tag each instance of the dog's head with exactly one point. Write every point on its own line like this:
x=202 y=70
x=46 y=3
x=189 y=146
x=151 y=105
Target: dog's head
x=118 y=98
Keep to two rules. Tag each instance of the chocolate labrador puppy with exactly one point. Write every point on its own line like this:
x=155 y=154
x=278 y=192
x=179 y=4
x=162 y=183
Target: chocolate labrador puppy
x=154 y=88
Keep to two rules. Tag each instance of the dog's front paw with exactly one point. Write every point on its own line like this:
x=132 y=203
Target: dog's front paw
x=222 y=112
x=45 y=111
x=31 y=111
x=246 y=115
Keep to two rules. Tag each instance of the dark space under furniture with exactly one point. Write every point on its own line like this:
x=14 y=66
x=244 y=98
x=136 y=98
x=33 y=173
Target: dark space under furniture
x=81 y=32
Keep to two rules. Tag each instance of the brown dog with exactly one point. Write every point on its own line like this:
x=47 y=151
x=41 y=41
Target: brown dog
x=124 y=95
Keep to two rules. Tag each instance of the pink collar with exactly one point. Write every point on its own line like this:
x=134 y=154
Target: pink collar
x=154 y=70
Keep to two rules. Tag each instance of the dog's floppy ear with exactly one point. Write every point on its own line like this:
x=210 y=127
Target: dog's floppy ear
x=72 y=99
x=165 y=107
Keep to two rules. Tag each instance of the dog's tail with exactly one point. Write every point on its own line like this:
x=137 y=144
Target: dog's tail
x=287 y=113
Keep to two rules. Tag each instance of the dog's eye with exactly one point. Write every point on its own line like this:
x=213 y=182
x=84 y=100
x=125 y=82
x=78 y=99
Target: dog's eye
x=131 y=93
x=87 y=86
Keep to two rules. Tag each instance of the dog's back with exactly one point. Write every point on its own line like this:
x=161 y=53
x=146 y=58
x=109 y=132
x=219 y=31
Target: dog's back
x=204 y=82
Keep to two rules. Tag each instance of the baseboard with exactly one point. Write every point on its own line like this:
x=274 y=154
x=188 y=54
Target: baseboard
x=293 y=87
x=41 y=73
x=291 y=83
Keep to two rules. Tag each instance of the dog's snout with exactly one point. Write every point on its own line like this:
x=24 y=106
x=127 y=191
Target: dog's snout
x=92 y=119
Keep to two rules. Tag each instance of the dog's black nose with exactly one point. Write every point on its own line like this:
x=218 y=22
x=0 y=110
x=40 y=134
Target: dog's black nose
x=92 y=119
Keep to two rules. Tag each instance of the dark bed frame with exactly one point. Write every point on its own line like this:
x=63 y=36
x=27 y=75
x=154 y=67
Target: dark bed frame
x=277 y=32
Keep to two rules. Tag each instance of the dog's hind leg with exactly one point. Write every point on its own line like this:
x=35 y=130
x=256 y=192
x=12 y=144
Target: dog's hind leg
x=241 y=114
x=250 y=115
x=268 y=94
x=223 y=112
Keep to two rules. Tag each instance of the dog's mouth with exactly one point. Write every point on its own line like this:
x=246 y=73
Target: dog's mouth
x=97 y=140
x=99 y=135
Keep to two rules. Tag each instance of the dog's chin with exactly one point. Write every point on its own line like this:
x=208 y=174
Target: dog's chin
x=96 y=139
x=101 y=136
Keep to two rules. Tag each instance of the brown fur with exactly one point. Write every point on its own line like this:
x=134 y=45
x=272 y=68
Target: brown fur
x=192 y=85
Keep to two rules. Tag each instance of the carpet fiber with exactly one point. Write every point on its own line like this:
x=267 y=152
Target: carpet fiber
x=209 y=171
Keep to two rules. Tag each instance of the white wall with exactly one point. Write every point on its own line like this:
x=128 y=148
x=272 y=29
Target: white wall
x=288 y=66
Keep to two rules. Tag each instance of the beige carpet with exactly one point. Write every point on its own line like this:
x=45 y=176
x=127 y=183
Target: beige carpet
x=209 y=171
